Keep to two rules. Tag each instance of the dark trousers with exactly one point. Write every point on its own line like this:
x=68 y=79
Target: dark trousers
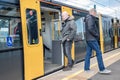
x=67 y=45
x=95 y=46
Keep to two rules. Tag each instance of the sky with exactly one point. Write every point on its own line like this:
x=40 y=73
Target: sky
x=110 y=7
x=107 y=7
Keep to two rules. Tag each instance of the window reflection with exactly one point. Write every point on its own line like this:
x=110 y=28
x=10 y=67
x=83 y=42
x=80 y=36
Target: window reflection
x=10 y=27
x=3 y=32
x=32 y=26
x=16 y=30
x=7 y=10
x=55 y=30
x=7 y=26
x=80 y=27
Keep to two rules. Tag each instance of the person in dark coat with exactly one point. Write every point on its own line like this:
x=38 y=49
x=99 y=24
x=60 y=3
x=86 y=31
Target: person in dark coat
x=69 y=29
x=32 y=27
x=92 y=37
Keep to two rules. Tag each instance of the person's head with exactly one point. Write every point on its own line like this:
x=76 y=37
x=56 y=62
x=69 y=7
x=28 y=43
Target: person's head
x=65 y=15
x=93 y=12
x=31 y=12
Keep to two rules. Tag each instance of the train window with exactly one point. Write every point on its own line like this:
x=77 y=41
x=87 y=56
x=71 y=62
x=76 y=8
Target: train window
x=105 y=28
x=80 y=27
x=10 y=33
x=55 y=29
x=32 y=29
x=16 y=31
x=4 y=32
x=9 y=10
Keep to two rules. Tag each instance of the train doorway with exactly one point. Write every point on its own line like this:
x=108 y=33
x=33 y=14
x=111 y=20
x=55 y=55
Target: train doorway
x=51 y=25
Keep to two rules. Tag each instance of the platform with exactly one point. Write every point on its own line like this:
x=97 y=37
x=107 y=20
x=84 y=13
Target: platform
x=111 y=61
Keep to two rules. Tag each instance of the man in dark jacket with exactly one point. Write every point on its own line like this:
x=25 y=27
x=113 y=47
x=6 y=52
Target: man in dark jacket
x=92 y=36
x=68 y=32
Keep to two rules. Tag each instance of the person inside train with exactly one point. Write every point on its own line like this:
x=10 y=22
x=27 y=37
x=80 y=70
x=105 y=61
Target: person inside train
x=18 y=31
x=92 y=37
x=68 y=31
x=32 y=26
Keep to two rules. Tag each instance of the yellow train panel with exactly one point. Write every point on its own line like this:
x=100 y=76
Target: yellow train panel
x=33 y=54
x=69 y=10
x=101 y=34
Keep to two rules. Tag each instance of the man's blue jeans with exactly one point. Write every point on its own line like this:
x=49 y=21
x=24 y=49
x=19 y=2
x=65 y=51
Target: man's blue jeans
x=95 y=46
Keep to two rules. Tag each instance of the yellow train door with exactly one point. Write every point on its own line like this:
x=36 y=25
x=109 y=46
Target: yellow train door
x=32 y=40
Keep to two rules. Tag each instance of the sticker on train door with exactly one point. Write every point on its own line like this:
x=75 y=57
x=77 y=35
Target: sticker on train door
x=9 y=41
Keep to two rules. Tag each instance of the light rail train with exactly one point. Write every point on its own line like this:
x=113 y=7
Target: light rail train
x=30 y=37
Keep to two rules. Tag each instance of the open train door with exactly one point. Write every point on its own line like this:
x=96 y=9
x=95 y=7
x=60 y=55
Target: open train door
x=32 y=40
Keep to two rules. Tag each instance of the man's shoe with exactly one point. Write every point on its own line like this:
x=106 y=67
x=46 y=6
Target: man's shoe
x=105 y=71
x=67 y=68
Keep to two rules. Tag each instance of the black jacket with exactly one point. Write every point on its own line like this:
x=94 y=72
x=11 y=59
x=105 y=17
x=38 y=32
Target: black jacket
x=92 y=31
x=69 y=29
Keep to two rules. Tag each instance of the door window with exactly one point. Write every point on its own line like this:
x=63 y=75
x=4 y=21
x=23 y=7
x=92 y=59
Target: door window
x=32 y=29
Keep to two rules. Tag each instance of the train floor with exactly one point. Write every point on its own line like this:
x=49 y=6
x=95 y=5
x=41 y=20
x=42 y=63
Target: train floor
x=111 y=61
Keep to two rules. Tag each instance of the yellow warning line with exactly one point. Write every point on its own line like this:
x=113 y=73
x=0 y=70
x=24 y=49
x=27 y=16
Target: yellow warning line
x=75 y=74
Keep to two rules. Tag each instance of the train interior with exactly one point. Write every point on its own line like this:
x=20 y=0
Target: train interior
x=51 y=24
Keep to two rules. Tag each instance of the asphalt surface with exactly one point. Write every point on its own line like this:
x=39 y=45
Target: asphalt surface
x=115 y=75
